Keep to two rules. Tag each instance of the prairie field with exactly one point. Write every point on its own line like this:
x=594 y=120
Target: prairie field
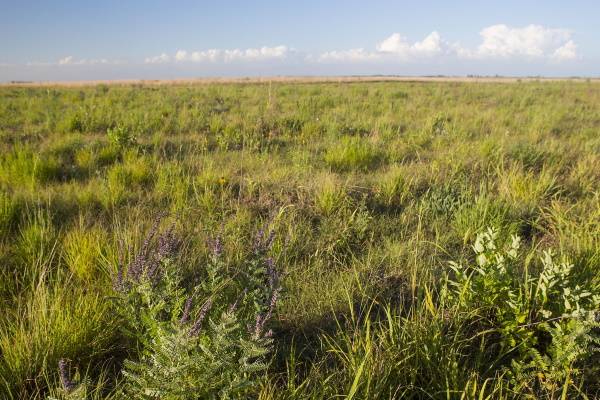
x=300 y=240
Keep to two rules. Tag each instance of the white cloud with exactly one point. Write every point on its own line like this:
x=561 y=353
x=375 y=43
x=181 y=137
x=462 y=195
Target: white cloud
x=394 y=44
x=181 y=55
x=528 y=43
x=498 y=41
x=161 y=59
x=567 y=51
x=531 y=41
x=398 y=45
x=430 y=46
x=70 y=60
x=66 y=60
x=225 y=55
x=395 y=47
x=355 y=55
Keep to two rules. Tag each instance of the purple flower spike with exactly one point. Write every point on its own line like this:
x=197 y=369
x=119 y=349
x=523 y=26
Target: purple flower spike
x=197 y=327
x=186 y=311
x=65 y=378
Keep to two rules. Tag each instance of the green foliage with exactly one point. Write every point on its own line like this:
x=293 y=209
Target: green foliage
x=51 y=323
x=9 y=213
x=189 y=358
x=546 y=321
x=121 y=136
x=439 y=125
x=207 y=341
x=352 y=153
x=23 y=167
x=82 y=249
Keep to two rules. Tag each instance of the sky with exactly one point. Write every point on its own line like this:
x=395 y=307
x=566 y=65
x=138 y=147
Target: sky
x=146 y=39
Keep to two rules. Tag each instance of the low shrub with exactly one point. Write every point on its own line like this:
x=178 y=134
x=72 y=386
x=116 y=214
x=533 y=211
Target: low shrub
x=121 y=136
x=210 y=339
x=539 y=324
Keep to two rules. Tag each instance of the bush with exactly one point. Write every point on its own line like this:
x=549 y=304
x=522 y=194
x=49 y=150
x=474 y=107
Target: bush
x=538 y=324
x=121 y=136
x=210 y=340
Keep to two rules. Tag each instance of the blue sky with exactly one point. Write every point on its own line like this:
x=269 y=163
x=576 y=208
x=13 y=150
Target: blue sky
x=67 y=40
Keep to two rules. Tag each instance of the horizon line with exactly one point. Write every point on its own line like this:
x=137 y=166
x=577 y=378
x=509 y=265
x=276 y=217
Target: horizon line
x=301 y=79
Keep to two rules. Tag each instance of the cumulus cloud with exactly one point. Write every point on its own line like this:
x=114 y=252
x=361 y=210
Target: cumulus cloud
x=429 y=46
x=224 y=55
x=349 y=55
x=66 y=60
x=160 y=59
x=394 y=44
x=567 y=51
x=399 y=45
x=528 y=43
x=70 y=60
x=497 y=41
x=531 y=41
x=392 y=48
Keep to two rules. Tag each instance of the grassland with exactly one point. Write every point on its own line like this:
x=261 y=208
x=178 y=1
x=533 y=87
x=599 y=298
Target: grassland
x=371 y=189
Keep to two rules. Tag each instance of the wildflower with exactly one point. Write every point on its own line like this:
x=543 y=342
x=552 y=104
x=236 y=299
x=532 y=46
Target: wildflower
x=261 y=319
x=258 y=240
x=195 y=330
x=261 y=245
x=186 y=311
x=217 y=247
x=118 y=280
x=65 y=378
x=168 y=244
x=272 y=275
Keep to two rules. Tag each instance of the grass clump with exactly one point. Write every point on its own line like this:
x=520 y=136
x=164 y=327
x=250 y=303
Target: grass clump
x=29 y=336
x=9 y=214
x=352 y=153
x=22 y=167
x=82 y=249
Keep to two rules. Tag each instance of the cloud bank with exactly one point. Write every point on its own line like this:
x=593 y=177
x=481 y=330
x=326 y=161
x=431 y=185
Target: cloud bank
x=72 y=61
x=499 y=49
x=532 y=42
x=223 y=55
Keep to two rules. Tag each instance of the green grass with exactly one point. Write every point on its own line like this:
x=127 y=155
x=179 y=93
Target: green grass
x=371 y=189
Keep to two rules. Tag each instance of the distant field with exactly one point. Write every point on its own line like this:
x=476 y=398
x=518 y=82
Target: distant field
x=412 y=221
x=299 y=79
